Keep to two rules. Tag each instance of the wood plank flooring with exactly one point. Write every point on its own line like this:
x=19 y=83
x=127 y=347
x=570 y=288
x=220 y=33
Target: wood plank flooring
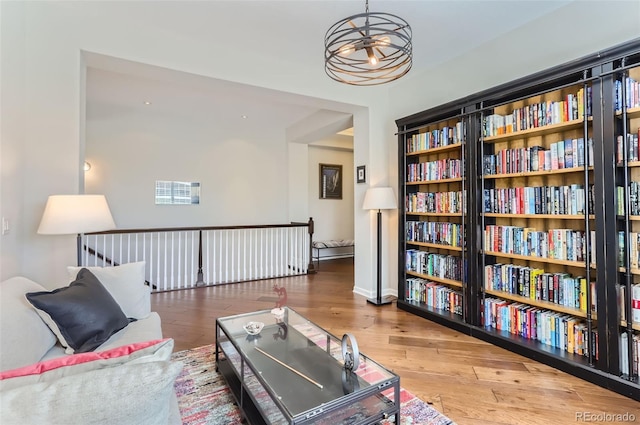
x=470 y=381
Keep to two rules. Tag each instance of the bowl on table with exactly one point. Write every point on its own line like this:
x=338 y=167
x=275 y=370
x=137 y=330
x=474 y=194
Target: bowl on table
x=253 y=328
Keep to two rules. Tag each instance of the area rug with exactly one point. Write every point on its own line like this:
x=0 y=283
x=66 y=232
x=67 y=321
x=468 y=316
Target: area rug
x=204 y=398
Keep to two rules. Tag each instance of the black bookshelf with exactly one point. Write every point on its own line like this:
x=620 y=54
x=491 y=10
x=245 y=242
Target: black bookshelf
x=590 y=85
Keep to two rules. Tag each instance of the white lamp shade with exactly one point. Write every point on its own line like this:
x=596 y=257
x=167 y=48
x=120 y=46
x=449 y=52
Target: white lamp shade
x=73 y=214
x=379 y=198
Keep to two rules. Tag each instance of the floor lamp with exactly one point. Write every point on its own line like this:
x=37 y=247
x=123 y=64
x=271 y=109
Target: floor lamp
x=379 y=198
x=76 y=214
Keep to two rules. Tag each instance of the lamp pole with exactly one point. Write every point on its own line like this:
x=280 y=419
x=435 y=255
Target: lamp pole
x=379 y=300
x=79 y=249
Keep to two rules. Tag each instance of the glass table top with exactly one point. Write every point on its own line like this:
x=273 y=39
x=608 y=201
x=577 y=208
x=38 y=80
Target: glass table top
x=300 y=362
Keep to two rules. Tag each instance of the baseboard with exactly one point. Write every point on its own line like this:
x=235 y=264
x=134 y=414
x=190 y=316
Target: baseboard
x=335 y=257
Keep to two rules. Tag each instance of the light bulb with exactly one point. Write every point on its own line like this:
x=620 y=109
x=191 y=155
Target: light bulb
x=373 y=60
x=383 y=42
x=346 y=50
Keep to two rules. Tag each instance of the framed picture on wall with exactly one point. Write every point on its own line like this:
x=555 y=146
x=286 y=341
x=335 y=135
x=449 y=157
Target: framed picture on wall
x=330 y=181
x=361 y=174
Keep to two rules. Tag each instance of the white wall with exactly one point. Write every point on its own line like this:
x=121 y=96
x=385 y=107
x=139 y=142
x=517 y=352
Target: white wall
x=580 y=28
x=333 y=217
x=42 y=82
x=12 y=122
x=298 y=182
x=55 y=35
x=241 y=177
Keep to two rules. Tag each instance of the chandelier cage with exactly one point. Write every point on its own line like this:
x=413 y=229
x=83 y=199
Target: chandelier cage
x=368 y=49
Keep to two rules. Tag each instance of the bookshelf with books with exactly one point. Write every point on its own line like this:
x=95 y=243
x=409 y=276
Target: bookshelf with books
x=537 y=219
x=550 y=183
x=433 y=218
x=626 y=288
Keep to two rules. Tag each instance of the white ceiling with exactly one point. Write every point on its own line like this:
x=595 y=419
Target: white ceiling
x=293 y=30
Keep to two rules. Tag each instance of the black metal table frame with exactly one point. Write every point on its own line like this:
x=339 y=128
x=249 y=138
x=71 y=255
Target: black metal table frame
x=250 y=408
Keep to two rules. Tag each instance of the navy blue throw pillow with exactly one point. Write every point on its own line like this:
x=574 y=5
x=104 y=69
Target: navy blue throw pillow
x=83 y=315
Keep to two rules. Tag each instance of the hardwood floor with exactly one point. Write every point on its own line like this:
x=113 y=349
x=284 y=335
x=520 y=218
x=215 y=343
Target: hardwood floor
x=470 y=381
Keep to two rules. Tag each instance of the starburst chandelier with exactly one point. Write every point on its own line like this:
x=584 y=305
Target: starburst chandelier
x=368 y=49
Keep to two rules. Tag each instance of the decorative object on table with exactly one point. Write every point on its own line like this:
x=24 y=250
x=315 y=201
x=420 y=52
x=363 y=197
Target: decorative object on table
x=350 y=382
x=368 y=49
x=379 y=198
x=351 y=356
x=350 y=352
x=361 y=174
x=330 y=181
x=282 y=296
x=76 y=215
x=278 y=311
x=253 y=328
x=205 y=399
x=283 y=330
x=297 y=372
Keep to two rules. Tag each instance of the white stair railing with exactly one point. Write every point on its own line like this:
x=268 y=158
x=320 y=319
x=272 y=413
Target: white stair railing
x=181 y=258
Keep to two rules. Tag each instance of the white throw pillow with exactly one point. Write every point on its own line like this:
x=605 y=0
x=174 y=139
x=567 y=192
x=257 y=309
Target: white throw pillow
x=25 y=338
x=128 y=394
x=126 y=285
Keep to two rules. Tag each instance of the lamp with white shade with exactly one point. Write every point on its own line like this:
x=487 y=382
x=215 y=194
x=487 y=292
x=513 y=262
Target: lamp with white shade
x=76 y=214
x=379 y=198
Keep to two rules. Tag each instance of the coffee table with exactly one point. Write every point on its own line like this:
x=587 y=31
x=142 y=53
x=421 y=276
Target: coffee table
x=293 y=372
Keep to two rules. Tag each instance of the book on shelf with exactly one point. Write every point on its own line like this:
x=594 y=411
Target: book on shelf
x=561 y=154
x=635 y=303
x=554 y=329
x=554 y=200
x=536 y=115
x=630 y=147
x=433 y=294
x=445 y=136
x=631 y=96
x=627 y=368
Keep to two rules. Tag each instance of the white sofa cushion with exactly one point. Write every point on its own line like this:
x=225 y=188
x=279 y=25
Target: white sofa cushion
x=50 y=370
x=126 y=285
x=128 y=394
x=25 y=338
x=141 y=330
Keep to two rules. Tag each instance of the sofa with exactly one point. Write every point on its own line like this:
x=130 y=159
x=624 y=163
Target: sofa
x=90 y=352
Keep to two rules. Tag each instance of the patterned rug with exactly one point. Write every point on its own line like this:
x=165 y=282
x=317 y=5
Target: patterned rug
x=204 y=398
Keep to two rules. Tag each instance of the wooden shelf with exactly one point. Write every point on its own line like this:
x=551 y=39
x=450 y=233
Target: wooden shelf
x=581 y=264
x=435 y=245
x=538 y=303
x=453 y=147
x=632 y=270
x=455 y=179
x=631 y=113
x=557 y=216
x=551 y=128
x=449 y=282
x=635 y=326
x=630 y=164
x=430 y=214
x=537 y=173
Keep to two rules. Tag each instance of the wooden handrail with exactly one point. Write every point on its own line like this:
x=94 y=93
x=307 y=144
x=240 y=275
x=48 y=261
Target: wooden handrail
x=200 y=281
x=186 y=229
